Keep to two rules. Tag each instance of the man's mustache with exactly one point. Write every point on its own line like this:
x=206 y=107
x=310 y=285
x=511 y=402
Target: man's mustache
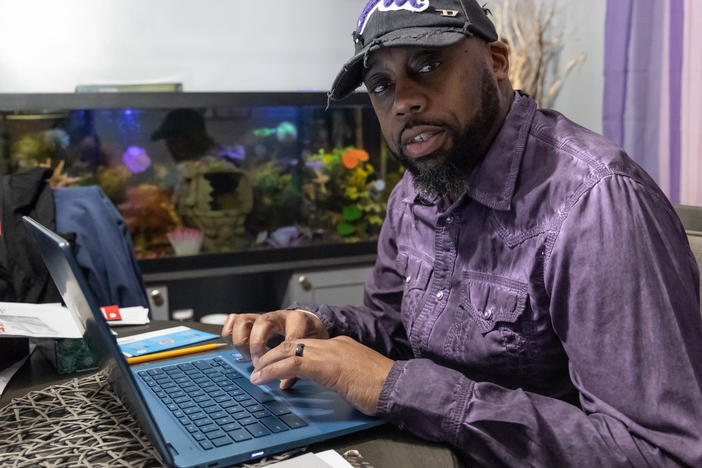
x=414 y=123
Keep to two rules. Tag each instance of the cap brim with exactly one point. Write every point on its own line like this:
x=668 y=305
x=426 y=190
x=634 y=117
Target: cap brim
x=351 y=75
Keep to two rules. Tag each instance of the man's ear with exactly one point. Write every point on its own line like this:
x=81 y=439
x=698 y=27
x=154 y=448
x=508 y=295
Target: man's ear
x=499 y=52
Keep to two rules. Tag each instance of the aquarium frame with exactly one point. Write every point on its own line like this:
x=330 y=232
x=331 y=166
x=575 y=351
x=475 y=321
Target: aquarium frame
x=11 y=102
x=263 y=260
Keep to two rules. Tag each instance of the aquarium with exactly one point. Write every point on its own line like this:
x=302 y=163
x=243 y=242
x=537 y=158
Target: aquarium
x=211 y=173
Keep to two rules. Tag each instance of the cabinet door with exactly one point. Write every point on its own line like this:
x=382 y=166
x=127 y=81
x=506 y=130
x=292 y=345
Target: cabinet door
x=338 y=286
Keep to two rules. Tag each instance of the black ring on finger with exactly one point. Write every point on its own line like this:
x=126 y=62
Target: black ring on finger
x=299 y=349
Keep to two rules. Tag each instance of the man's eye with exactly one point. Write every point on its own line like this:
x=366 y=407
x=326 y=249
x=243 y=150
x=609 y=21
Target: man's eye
x=379 y=87
x=428 y=67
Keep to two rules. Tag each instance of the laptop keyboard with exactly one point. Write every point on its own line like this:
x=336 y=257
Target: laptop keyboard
x=217 y=405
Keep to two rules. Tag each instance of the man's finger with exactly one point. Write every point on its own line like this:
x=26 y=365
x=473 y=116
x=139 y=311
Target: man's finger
x=227 y=327
x=284 y=350
x=287 y=368
x=241 y=330
x=295 y=326
x=287 y=384
x=263 y=328
x=265 y=325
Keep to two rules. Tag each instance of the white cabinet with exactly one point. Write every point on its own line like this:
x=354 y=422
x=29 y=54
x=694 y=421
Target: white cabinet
x=331 y=286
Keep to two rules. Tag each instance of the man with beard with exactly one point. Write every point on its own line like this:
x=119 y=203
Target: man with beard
x=534 y=300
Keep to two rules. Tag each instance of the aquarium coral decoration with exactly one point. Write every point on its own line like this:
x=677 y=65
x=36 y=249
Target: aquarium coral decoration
x=59 y=178
x=215 y=197
x=285 y=132
x=353 y=157
x=113 y=180
x=34 y=149
x=136 y=159
x=185 y=241
x=149 y=213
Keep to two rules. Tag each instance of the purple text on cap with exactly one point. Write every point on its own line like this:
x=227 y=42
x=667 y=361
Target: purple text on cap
x=389 y=5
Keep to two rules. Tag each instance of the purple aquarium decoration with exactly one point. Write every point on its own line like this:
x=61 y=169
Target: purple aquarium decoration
x=136 y=159
x=237 y=152
x=415 y=6
x=315 y=164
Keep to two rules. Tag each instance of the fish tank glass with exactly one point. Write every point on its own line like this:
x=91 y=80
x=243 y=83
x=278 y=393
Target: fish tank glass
x=210 y=173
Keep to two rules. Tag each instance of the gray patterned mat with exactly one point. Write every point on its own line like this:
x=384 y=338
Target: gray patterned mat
x=76 y=424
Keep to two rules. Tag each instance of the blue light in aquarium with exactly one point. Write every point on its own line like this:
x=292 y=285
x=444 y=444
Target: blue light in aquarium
x=136 y=159
x=128 y=122
x=277 y=114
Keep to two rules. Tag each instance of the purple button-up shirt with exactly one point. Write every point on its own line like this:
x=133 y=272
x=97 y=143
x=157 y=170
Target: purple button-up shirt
x=548 y=317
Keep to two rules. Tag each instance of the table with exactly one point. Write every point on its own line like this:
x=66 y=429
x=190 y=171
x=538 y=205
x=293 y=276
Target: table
x=384 y=446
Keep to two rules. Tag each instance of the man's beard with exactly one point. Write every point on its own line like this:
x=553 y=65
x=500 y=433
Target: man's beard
x=446 y=172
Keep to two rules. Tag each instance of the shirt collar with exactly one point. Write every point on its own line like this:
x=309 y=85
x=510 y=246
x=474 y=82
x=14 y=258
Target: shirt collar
x=493 y=181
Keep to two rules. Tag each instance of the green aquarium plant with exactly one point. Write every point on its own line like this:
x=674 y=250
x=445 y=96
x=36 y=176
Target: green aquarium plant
x=277 y=198
x=343 y=193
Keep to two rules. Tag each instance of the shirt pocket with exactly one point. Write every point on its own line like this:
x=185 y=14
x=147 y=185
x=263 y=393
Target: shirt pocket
x=416 y=274
x=492 y=333
x=493 y=302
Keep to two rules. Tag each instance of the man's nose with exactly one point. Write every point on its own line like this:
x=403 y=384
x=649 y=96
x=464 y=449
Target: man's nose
x=409 y=98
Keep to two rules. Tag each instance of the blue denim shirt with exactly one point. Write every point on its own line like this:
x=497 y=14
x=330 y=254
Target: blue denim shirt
x=548 y=317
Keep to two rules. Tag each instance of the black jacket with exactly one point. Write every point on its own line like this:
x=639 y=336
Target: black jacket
x=23 y=276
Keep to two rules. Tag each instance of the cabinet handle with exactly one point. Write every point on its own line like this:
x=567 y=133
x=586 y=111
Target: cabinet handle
x=305 y=283
x=156 y=297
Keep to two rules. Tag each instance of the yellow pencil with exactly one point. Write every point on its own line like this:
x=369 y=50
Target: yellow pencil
x=173 y=353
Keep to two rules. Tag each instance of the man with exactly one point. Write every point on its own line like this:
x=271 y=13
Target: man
x=534 y=300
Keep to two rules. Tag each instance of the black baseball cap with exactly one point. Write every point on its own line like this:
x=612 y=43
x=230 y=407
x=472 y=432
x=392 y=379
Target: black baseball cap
x=420 y=23
x=181 y=121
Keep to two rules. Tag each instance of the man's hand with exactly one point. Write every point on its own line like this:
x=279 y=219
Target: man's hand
x=251 y=332
x=354 y=371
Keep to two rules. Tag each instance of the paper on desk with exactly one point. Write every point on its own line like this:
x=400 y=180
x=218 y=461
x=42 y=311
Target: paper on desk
x=6 y=374
x=327 y=459
x=38 y=321
x=333 y=459
x=161 y=340
x=131 y=316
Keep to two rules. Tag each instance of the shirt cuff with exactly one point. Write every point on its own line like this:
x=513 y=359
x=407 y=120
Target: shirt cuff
x=426 y=399
x=317 y=310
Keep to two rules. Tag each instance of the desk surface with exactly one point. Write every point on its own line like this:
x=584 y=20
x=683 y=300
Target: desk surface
x=383 y=446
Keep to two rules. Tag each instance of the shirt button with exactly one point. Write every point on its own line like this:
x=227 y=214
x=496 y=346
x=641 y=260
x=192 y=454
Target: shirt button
x=440 y=294
x=408 y=279
x=487 y=313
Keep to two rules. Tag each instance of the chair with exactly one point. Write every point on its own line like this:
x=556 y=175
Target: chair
x=691 y=217
x=103 y=247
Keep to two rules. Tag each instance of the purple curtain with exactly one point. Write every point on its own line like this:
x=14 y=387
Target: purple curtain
x=644 y=49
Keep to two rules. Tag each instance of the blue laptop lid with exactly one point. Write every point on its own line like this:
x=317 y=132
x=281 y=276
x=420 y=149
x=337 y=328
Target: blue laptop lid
x=73 y=287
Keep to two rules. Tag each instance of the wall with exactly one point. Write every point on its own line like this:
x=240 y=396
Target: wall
x=581 y=96
x=225 y=45
x=208 y=45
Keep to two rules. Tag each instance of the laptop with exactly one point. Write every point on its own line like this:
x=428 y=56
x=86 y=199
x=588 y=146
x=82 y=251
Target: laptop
x=200 y=410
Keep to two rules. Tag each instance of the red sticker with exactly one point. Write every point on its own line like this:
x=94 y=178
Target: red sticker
x=111 y=312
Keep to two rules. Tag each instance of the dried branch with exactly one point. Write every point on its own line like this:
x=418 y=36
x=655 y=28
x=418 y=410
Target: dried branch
x=535 y=47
